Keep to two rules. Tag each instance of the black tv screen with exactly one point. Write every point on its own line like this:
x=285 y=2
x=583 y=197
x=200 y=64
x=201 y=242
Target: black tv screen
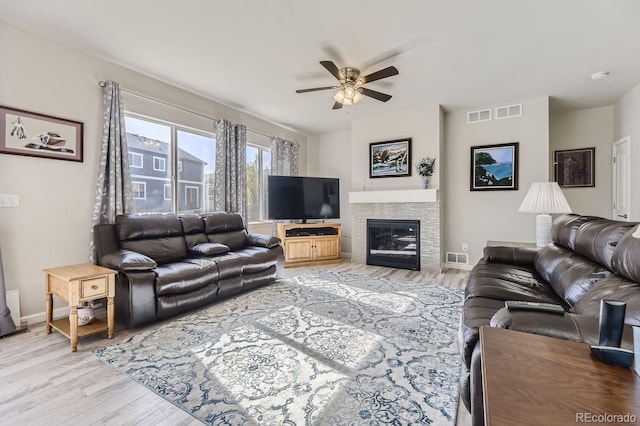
x=302 y=198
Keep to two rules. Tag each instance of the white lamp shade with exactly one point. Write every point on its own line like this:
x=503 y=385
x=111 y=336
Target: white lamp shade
x=545 y=197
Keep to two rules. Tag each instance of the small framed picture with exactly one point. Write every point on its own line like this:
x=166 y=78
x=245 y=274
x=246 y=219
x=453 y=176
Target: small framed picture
x=494 y=167
x=575 y=168
x=39 y=135
x=390 y=158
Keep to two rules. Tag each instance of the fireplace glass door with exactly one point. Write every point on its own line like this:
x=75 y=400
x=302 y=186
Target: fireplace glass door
x=393 y=243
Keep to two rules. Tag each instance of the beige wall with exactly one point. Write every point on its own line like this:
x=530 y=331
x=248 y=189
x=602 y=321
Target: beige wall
x=329 y=155
x=473 y=217
x=422 y=125
x=627 y=123
x=51 y=225
x=585 y=129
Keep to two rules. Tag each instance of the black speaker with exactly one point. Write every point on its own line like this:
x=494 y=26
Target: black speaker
x=611 y=322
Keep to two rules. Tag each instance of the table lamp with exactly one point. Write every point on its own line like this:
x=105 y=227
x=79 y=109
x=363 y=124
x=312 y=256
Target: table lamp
x=544 y=198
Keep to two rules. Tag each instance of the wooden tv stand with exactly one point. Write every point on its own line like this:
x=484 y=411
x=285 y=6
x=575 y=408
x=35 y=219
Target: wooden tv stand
x=309 y=244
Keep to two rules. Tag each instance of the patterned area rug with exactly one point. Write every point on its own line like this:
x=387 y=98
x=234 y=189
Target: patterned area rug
x=322 y=348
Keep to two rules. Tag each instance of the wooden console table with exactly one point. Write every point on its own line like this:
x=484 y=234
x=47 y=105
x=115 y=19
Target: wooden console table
x=77 y=284
x=529 y=379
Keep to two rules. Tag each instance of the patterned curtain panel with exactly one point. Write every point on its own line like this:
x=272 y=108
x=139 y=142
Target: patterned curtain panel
x=231 y=168
x=285 y=157
x=6 y=322
x=113 y=190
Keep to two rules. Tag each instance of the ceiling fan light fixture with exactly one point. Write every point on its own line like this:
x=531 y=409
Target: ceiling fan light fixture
x=339 y=96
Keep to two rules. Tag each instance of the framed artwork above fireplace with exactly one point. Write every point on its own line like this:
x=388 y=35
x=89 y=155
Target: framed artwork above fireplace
x=390 y=158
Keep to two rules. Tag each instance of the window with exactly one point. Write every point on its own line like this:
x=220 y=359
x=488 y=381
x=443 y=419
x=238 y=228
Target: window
x=159 y=164
x=191 y=197
x=139 y=190
x=135 y=160
x=258 y=168
x=169 y=184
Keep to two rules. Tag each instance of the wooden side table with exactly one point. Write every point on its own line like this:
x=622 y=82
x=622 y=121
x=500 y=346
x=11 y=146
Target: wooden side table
x=77 y=284
x=530 y=379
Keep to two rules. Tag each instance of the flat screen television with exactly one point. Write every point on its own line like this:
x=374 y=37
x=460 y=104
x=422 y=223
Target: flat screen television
x=303 y=197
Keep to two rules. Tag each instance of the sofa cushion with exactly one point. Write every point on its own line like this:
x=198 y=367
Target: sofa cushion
x=229 y=265
x=158 y=236
x=565 y=228
x=596 y=240
x=193 y=229
x=225 y=228
x=477 y=312
x=260 y=240
x=185 y=276
x=548 y=259
x=574 y=276
x=127 y=260
x=208 y=249
x=613 y=287
x=626 y=256
x=507 y=282
x=256 y=259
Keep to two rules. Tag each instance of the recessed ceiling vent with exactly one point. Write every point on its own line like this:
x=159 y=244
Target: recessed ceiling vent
x=509 y=111
x=479 y=115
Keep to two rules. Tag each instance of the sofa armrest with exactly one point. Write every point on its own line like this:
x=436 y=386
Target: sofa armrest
x=260 y=240
x=518 y=256
x=579 y=328
x=127 y=260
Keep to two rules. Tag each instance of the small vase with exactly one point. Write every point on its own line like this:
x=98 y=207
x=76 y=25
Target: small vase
x=425 y=182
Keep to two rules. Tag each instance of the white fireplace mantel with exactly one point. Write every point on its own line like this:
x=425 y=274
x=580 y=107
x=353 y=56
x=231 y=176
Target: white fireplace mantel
x=395 y=196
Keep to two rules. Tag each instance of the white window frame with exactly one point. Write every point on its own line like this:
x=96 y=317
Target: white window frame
x=261 y=183
x=162 y=164
x=144 y=190
x=186 y=196
x=132 y=156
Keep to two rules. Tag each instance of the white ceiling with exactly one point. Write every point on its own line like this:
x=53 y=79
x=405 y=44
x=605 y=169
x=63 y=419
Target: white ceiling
x=253 y=54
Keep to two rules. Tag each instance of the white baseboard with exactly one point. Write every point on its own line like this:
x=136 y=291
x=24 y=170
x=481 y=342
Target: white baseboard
x=42 y=316
x=460 y=266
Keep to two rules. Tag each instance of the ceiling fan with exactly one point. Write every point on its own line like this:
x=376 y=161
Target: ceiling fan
x=350 y=89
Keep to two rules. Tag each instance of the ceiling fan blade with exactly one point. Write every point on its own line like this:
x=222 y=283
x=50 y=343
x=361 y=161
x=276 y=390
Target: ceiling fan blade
x=375 y=95
x=337 y=105
x=383 y=73
x=315 y=89
x=332 y=68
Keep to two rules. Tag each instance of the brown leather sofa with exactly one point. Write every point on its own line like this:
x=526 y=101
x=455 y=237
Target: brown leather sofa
x=170 y=263
x=590 y=259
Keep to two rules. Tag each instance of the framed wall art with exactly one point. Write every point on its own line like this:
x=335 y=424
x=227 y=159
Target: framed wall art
x=575 y=168
x=390 y=158
x=494 y=167
x=39 y=135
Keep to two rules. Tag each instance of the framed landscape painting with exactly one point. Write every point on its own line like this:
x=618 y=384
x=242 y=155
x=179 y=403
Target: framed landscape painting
x=39 y=135
x=390 y=158
x=575 y=168
x=494 y=167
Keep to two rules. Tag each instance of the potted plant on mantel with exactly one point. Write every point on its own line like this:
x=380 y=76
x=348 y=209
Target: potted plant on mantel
x=425 y=167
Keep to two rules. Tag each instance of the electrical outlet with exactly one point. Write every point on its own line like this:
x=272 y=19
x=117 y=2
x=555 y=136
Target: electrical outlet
x=465 y=247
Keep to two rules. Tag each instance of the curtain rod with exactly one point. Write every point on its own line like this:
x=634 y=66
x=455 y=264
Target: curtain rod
x=139 y=95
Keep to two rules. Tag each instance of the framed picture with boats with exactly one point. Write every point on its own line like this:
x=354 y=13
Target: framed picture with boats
x=38 y=135
x=494 y=167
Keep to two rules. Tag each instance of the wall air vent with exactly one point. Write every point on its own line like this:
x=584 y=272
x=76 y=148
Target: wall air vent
x=509 y=111
x=457 y=258
x=479 y=115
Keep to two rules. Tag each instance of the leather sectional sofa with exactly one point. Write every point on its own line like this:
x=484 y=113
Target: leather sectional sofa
x=590 y=259
x=170 y=263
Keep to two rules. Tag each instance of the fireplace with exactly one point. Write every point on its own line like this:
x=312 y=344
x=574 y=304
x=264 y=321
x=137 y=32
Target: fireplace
x=393 y=243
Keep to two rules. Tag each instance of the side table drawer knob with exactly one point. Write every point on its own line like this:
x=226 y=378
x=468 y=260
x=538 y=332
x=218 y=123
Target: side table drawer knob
x=94 y=287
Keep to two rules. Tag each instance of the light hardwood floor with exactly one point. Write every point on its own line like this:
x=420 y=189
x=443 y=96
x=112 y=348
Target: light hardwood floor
x=43 y=383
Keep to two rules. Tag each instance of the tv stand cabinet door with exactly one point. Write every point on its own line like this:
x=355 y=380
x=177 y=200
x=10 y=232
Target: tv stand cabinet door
x=327 y=248
x=298 y=250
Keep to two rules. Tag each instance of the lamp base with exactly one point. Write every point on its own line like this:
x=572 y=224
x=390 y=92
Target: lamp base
x=543 y=230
